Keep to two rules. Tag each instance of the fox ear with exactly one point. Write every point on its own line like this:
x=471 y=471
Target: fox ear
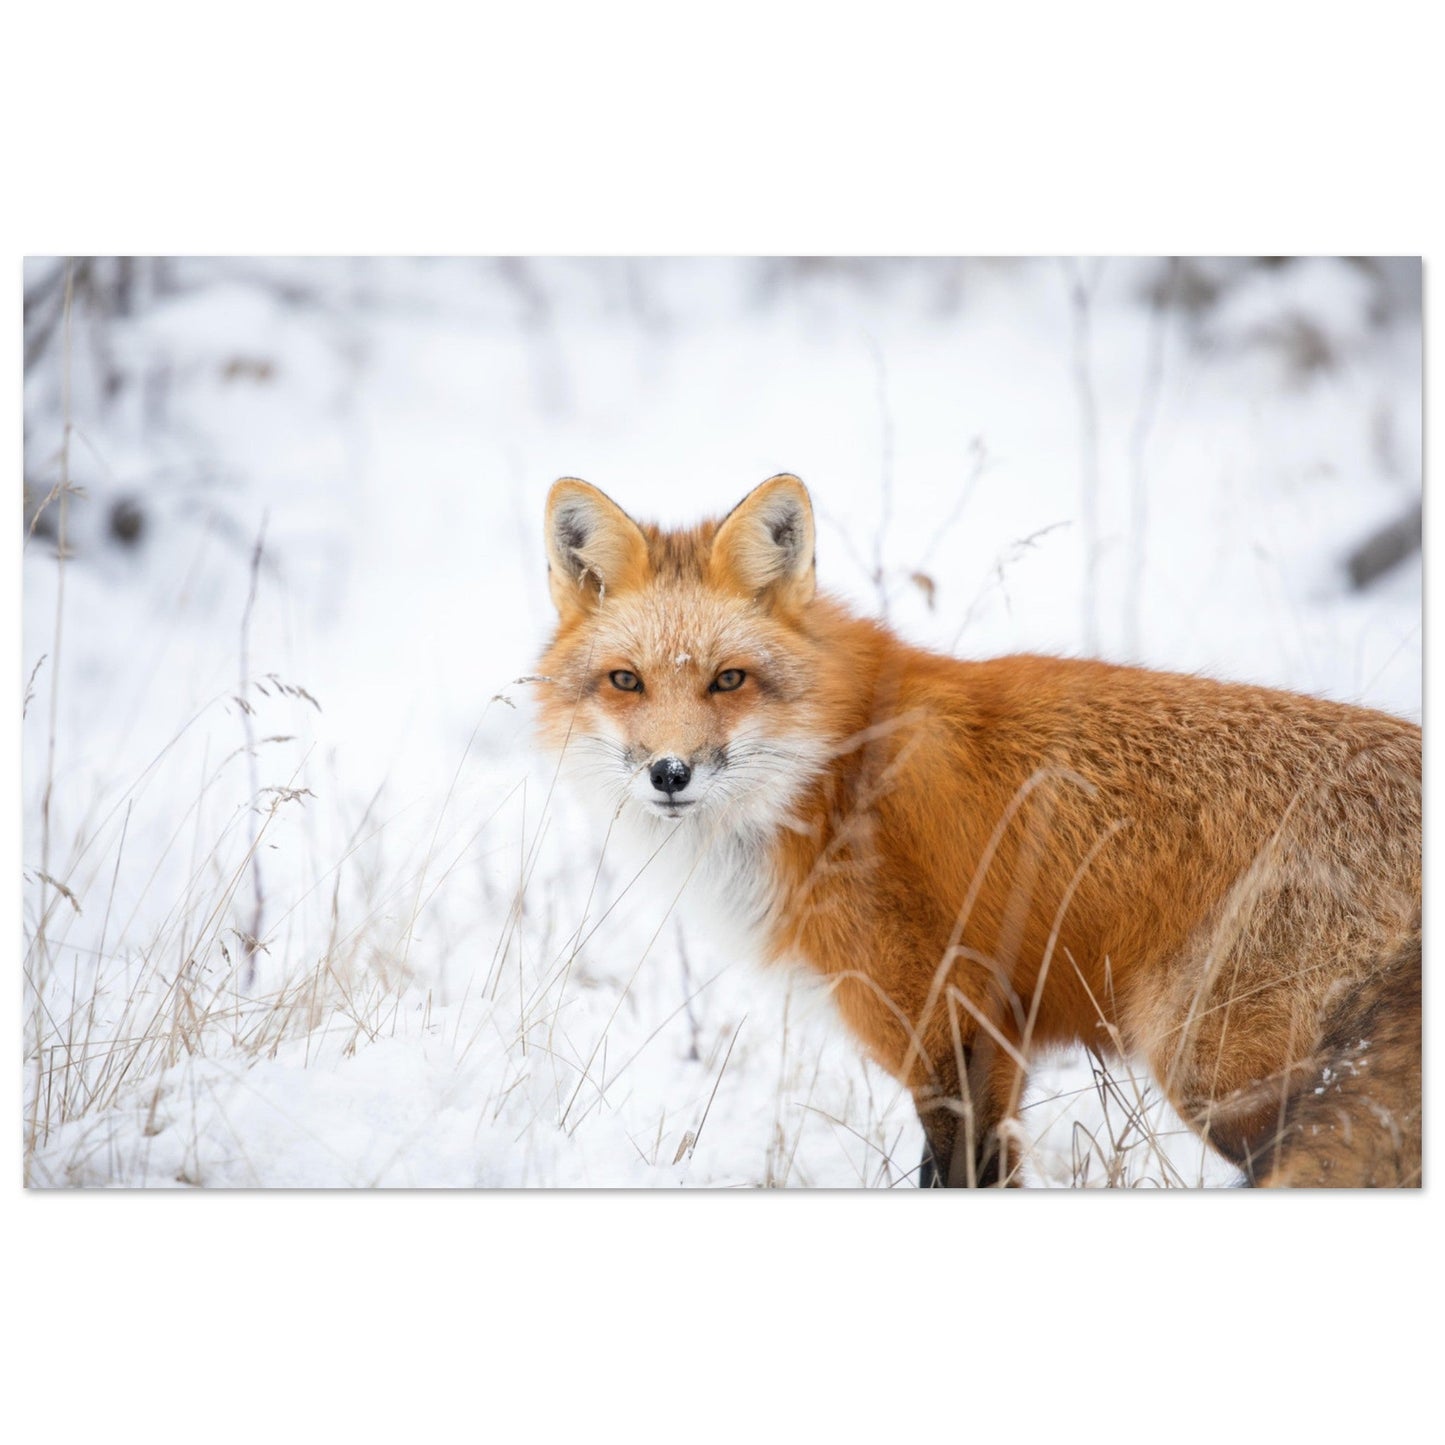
x=765 y=544
x=592 y=546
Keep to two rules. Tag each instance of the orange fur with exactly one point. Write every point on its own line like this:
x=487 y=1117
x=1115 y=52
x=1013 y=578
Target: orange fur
x=986 y=858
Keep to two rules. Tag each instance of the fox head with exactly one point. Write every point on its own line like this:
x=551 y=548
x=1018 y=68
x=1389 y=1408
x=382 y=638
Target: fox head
x=682 y=678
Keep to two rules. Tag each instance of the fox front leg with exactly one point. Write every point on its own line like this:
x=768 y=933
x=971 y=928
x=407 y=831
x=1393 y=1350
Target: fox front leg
x=961 y=1114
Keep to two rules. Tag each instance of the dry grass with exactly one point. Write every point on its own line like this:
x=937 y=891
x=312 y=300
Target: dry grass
x=121 y=1011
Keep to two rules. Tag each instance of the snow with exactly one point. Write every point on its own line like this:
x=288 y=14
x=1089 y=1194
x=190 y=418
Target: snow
x=458 y=984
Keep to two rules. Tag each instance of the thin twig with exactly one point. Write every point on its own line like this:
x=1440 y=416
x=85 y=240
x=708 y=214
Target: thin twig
x=1138 y=444
x=1081 y=296
x=885 y=519
x=692 y=1148
x=258 y=892
x=42 y=951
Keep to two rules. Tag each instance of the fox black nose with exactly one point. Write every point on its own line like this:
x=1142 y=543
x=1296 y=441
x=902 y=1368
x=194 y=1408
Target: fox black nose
x=670 y=775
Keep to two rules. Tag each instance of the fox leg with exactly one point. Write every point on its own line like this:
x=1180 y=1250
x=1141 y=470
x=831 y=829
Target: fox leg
x=1354 y=1119
x=1346 y=1113
x=961 y=1112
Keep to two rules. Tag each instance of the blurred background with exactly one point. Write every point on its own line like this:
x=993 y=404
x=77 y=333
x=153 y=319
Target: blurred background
x=283 y=571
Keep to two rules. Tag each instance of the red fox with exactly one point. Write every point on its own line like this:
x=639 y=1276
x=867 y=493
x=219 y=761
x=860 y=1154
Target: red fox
x=983 y=859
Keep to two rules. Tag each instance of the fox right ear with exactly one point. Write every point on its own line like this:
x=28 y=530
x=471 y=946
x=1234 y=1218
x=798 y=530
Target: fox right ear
x=592 y=546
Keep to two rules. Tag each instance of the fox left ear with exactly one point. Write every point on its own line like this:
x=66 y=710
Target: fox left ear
x=766 y=542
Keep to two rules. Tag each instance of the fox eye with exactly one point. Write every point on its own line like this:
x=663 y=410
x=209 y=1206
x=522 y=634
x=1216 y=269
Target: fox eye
x=625 y=681
x=728 y=681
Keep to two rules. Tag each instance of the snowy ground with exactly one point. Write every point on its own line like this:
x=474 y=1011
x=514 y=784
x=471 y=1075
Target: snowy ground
x=330 y=750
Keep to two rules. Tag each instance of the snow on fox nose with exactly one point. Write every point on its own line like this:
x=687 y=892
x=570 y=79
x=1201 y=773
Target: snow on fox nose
x=670 y=775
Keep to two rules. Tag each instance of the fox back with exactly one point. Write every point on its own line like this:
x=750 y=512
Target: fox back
x=985 y=858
